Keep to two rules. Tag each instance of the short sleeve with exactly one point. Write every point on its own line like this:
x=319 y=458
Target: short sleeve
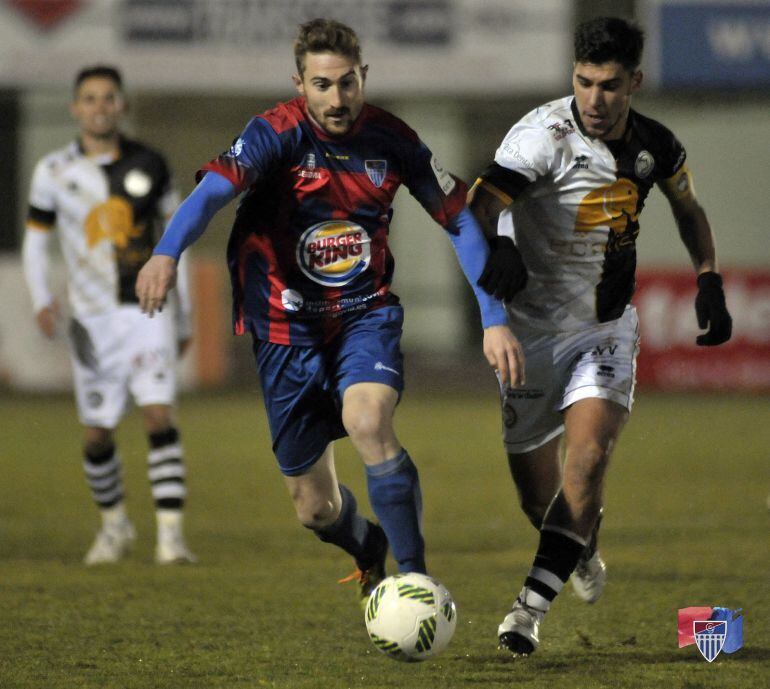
x=250 y=156
x=527 y=150
x=439 y=192
x=42 y=198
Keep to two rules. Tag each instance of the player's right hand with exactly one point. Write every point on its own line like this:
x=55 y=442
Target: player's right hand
x=504 y=274
x=47 y=319
x=505 y=354
x=153 y=283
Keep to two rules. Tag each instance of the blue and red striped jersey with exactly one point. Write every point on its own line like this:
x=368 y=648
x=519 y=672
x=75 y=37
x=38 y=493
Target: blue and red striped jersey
x=309 y=246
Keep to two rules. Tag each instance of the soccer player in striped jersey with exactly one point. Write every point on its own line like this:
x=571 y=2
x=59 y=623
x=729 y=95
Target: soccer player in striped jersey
x=311 y=272
x=561 y=201
x=107 y=198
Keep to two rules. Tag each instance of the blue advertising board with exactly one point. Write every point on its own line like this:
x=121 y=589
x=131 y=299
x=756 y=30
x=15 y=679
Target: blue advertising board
x=712 y=44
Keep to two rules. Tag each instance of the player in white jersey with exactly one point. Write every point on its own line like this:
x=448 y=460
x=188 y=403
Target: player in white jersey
x=108 y=198
x=561 y=202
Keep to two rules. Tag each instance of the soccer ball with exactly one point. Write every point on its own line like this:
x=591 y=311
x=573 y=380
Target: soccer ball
x=410 y=617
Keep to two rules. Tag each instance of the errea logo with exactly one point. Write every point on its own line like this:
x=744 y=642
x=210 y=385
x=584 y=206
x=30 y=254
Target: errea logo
x=581 y=163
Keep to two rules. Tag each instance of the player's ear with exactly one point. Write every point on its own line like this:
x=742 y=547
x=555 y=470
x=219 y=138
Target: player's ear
x=297 y=79
x=636 y=80
x=364 y=72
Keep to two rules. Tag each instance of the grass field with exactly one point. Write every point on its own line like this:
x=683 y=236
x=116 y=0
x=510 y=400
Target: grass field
x=686 y=524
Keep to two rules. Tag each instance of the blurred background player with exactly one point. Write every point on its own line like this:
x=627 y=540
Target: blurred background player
x=108 y=197
x=564 y=194
x=311 y=272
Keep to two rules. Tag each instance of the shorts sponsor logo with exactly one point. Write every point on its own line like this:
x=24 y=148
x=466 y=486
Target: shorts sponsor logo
x=376 y=171
x=510 y=417
x=334 y=253
x=292 y=300
x=644 y=164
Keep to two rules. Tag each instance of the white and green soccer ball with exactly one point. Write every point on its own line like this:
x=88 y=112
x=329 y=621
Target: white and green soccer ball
x=410 y=617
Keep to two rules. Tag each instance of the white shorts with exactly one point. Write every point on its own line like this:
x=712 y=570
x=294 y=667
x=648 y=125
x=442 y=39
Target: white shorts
x=562 y=368
x=118 y=353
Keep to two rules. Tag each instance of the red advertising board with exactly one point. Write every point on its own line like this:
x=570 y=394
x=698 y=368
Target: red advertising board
x=669 y=358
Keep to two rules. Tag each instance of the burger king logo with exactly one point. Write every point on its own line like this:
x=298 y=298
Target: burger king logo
x=333 y=253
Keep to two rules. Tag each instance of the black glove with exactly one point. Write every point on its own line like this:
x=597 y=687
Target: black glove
x=505 y=273
x=712 y=311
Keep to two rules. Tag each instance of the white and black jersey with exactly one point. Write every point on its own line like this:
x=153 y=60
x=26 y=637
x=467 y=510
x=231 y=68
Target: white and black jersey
x=108 y=218
x=573 y=204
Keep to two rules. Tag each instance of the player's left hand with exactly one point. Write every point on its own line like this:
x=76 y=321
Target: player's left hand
x=153 y=283
x=504 y=354
x=711 y=311
x=183 y=345
x=504 y=274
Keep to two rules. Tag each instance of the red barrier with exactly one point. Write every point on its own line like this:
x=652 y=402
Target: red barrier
x=669 y=358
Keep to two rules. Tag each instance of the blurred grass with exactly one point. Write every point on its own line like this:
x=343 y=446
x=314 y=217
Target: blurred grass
x=686 y=524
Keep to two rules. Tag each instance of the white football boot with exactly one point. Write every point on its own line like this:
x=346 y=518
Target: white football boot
x=171 y=547
x=519 y=632
x=112 y=543
x=589 y=578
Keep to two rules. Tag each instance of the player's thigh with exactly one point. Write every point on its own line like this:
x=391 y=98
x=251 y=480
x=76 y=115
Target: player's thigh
x=150 y=352
x=593 y=422
x=300 y=400
x=369 y=351
x=99 y=370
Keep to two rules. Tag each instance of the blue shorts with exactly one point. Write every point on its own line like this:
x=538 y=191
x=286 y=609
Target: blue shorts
x=303 y=386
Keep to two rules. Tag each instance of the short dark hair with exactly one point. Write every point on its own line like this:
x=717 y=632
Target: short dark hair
x=104 y=71
x=609 y=39
x=325 y=35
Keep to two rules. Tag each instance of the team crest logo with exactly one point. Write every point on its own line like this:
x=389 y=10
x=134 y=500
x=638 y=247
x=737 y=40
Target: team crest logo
x=334 y=253
x=376 y=171
x=709 y=637
x=644 y=164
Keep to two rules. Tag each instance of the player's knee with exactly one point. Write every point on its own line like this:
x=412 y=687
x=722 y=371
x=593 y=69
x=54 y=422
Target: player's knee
x=586 y=465
x=98 y=441
x=316 y=515
x=157 y=418
x=366 y=423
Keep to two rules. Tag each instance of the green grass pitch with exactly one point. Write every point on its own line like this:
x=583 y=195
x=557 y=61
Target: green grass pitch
x=686 y=524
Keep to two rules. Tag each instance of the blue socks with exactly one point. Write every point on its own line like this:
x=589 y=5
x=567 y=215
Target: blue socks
x=350 y=531
x=394 y=492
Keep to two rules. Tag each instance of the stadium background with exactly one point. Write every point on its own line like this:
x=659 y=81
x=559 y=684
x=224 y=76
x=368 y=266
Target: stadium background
x=692 y=471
